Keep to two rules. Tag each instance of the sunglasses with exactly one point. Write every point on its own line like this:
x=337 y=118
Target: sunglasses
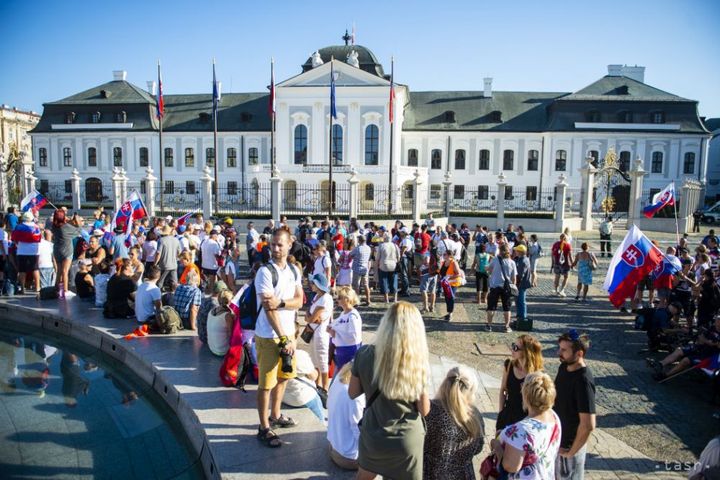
x=514 y=347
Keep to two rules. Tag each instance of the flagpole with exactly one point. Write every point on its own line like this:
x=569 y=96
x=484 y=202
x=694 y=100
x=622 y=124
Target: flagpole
x=272 y=120
x=216 y=101
x=392 y=99
x=677 y=228
x=160 y=118
x=330 y=168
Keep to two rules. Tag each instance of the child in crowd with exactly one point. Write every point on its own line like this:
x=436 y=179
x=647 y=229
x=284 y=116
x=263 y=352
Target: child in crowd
x=346 y=330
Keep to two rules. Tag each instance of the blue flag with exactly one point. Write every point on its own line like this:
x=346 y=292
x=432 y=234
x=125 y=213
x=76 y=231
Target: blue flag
x=333 y=110
x=215 y=98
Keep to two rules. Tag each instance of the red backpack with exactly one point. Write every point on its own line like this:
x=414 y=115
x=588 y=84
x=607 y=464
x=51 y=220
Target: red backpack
x=237 y=363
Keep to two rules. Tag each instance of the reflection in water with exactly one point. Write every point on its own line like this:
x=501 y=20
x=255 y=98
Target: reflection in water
x=65 y=414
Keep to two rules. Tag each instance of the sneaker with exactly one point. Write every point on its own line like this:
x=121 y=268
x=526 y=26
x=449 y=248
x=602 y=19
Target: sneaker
x=561 y=293
x=508 y=329
x=577 y=299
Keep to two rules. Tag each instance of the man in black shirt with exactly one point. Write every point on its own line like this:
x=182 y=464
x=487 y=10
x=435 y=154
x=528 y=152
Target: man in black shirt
x=574 y=404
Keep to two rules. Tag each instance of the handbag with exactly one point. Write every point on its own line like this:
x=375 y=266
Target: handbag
x=307 y=333
x=488 y=468
x=510 y=287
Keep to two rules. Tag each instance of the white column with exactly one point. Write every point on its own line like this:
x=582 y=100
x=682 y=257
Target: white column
x=636 y=189
x=353 y=180
x=447 y=182
x=207 y=181
x=501 y=184
x=275 y=182
x=75 y=179
x=150 y=180
x=123 y=184
x=418 y=198
x=561 y=186
x=588 y=182
x=117 y=188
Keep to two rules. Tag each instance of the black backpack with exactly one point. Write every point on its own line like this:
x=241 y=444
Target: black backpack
x=248 y=308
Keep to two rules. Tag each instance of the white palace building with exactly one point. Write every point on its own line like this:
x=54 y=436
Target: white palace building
x=465 y=138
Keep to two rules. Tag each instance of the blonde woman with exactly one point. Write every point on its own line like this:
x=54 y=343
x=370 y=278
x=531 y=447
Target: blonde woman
x=346 y=329
x=454 y=428
x=526 y=357
x=527 y=449
x=344 y=413
x=393 y=373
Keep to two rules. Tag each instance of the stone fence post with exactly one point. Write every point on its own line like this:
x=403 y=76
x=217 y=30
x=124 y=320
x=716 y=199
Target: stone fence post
x=353 y=196
x=275 y=182
x=588 y=183
x=30 y=180
x=75 y=180
x=636 y=188
x=207 y=183
x=561 y=187
x=501 y=184
x=446 y=183
x=117 y=188
x=124 y=184
x=150 y=191
x=418 y=198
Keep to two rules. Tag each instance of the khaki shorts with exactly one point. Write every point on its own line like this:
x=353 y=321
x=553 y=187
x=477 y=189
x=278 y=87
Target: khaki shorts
x=269 y=364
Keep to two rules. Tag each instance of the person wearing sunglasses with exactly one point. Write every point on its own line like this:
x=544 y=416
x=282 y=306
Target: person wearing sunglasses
x=526 y=358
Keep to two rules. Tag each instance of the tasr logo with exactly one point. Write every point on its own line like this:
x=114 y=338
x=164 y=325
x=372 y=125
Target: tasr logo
x=633 y=256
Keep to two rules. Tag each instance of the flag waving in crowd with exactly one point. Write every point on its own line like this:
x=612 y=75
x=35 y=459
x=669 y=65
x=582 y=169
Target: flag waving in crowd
x=34 y=201
x=132 y=209
x=660 y=200
x=183 y=219
x=635 y=258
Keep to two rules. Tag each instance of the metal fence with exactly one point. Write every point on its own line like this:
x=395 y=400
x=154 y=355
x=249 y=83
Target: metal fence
x=176 y=198
x=478 y=200
x=241 y=199
x=374 y=199
x=531 y=201
x=57 y=193
x=312 y=199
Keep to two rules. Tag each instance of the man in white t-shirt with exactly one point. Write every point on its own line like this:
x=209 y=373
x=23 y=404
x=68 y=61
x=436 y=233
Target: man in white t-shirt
x=281 y=296
x=210 y=249
x=147 y=297
x=46 y=260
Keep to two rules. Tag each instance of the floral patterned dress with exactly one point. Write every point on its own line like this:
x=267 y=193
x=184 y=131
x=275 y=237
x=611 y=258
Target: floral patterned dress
x=539 y=441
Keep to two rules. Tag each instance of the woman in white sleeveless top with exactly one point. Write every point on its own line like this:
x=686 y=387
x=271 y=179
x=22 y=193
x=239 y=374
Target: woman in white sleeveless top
x=219 y=325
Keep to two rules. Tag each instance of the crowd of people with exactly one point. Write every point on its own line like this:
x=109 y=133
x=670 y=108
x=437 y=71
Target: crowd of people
x=380 y=419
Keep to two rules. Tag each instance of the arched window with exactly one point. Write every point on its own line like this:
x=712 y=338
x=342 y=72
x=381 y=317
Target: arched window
x=412 y=158
x=301 y=144
x=337 y=144
x=484 y=163
x=595 y=155
x=253 y=156
x=508 y=160
x=369 y=193
x=67 y=157
x=656 y=166
x=144 y=157
x=371 y=145
x=533 y=160
x=290 y=194
x=117 y=157
x=93 y=190
x=436 y=159
x=189 y=157
x=560 y=160
x=624 y=163
x=689 y=163
x=231 y=157
x=92 y=157
x=169 y=157
x=459 y=159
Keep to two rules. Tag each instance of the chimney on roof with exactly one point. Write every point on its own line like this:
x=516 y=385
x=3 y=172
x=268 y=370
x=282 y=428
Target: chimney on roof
x=615 y=70
x=119 y=75
x=151 y=86
x=636 y=73
x=487 y=91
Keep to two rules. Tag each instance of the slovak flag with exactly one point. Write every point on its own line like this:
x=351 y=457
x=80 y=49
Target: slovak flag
x=660 y=200
x=635 y=258
x=26 y=233
x=711 y=363
x=182 y=220
x=132 y=209
x=34 y=201
x=670 y=265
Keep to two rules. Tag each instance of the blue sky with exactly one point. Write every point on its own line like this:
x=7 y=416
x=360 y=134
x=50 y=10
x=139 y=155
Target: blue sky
x=58 y=48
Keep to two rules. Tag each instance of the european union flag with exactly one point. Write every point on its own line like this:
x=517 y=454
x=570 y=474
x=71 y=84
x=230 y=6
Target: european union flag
x=333 y=110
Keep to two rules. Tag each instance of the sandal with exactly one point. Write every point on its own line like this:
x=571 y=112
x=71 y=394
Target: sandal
x=283 y=421
x=269 y=438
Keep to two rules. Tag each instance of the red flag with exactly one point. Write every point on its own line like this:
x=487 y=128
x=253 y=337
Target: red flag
x=392 y=92
x=160 y=101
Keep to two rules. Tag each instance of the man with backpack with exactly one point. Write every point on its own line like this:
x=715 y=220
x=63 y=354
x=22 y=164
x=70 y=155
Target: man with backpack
x=147 y=297
x=279 y=292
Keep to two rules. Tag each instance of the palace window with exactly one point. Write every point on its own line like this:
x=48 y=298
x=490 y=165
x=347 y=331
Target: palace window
x=371 y=145
x=190 y=187
x=508 y=192
x=531 y=194
x=301 y=144
x=210 y=157
x=657 y=117
x=68 y=186
x=689 y=163
x=95 y=117
x=70 y=117
x=169 y=157
x=169 y=187
x=533 y=160
x=436 y=159
x=412 y=158
x=624 y=163
x=458 y=192
x=369 y=192
x=595 y=155
x=92 y=157
x=508 y=160
x=42 y=157
x=337 y=144
x=483 y=192
x=232 y=188
x=656 y=165
x=231 y=157
x=144 y=157
x=484 y=162
x=117 y=157
x=67 y=157
x=253 y=156
x=121 y=117
x=435 y=192
x=560 y=160
x=459 y=159
x=189 y=157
